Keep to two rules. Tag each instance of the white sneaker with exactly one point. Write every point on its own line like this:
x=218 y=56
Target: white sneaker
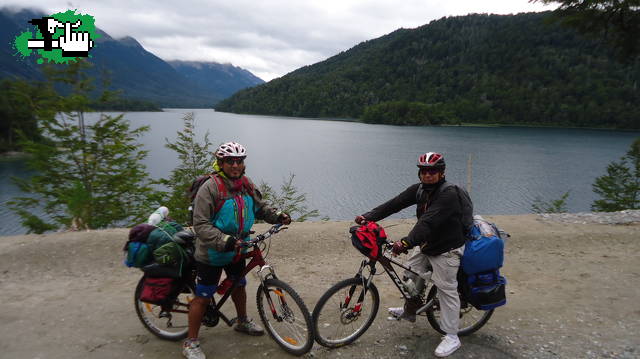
x=397 y=313
x=448 y=345
x=191 y=350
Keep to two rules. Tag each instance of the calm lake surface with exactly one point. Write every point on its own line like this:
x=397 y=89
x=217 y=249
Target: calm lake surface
x=347 y=168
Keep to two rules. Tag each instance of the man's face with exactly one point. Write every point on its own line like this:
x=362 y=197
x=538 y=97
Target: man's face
x=233 y=167
x=430 y=175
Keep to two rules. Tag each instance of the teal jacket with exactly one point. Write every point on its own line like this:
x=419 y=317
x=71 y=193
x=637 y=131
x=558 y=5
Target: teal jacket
x=237 y=214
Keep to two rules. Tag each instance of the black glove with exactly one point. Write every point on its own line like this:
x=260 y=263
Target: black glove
x=284 y=219
x=230 y=243
x=400 y=246
x=359 y=219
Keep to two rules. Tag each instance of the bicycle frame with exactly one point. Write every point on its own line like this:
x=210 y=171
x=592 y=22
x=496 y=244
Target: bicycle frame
x=387 y=264
x=257 y=260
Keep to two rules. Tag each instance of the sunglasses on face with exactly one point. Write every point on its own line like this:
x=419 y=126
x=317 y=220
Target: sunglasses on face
x=430 y=171
x=231 y=160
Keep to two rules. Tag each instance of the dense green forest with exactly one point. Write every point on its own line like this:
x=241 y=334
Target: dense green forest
x=18 y=113
x=125 y=104
x=20 y=102
x=498 y=69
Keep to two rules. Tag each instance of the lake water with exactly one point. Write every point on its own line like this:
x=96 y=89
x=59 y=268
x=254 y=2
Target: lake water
x=347 y=168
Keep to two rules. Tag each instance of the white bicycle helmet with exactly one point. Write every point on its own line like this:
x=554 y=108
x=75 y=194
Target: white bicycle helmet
x=231 y=149
x=431 y=160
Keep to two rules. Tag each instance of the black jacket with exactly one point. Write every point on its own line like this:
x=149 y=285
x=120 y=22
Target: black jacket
x=439 y=227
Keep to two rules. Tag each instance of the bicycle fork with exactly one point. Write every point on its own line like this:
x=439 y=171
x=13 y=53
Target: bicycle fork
x=270 y=273
x=366 y=282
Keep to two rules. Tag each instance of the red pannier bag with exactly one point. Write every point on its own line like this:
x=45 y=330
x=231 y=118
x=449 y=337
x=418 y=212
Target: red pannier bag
x=157 y=290
x=368 y=239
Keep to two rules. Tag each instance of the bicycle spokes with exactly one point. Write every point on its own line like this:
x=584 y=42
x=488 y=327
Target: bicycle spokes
x=289 y=323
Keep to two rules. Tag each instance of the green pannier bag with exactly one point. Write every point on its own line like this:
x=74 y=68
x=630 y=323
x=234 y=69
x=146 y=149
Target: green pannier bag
x=163 y=234
x=171 y=254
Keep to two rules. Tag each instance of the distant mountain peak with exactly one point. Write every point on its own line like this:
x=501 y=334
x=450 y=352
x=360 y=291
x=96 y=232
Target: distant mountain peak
x=129 y=41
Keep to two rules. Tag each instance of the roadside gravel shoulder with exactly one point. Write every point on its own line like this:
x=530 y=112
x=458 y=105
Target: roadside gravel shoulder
x=572 y=293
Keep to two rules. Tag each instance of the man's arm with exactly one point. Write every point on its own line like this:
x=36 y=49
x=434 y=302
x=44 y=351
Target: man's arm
x=262 y=210
x=203 y=211
x=394 y=205
x=438 y=211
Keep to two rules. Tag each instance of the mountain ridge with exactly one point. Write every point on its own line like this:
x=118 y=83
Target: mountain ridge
x=479 y=68
x=138 y=73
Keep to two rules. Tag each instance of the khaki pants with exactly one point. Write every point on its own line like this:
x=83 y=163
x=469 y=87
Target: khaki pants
x=444 y=276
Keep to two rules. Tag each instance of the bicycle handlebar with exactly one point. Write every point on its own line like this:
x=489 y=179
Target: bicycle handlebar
x=261 y=237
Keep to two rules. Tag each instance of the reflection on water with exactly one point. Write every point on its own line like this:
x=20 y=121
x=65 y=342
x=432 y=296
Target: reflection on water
x=9 y=168
x=347 y=168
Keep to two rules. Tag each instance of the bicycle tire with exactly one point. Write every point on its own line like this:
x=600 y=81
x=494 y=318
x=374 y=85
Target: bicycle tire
x=327 y=325
x=476 y=318
x=165 y=328
x=291 y=327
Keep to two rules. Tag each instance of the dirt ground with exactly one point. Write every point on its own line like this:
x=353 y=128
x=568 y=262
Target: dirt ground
x=573 y=292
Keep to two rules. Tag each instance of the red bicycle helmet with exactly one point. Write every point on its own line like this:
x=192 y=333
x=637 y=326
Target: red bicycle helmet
x=431 y=160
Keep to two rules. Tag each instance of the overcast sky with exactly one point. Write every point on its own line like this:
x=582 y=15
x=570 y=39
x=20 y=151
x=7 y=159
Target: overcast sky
x=269 y=38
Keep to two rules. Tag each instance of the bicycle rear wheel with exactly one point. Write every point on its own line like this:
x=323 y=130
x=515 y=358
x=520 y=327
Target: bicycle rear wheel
x=471 y=319
x=170 y=324
x=285 y=316
x=345 y=312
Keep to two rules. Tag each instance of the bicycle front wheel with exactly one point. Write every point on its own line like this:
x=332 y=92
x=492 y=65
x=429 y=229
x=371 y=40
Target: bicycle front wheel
x=345 y=312
x=285 y=316
x=170 y=322
x=471 y=319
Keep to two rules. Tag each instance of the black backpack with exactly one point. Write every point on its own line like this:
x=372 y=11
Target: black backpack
x=465 y=204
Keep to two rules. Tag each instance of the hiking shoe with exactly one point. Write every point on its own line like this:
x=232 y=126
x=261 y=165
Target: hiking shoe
x=191 y=350
x=448 y=345
x=398 y=313
x=248 y=326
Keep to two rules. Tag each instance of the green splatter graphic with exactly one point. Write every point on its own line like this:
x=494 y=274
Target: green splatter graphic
x=21 y=44
x=55 y=55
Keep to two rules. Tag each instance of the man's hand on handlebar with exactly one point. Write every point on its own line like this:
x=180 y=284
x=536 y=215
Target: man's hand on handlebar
x=284 y=218
x=359 y=219
x=401 y=246
x=232 y=243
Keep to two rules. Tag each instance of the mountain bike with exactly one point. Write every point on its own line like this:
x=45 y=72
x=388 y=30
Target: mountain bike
x=349 y=307
x=282 y=311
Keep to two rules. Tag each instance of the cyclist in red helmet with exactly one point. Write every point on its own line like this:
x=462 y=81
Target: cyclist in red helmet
x=438 y=238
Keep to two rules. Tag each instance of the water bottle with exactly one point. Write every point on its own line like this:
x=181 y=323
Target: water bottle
x=158 y=215
x=410 y=286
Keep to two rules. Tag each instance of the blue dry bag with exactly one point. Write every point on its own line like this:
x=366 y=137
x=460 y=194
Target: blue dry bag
x=484 y=251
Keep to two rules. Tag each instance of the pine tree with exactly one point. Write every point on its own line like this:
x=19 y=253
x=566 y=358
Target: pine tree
x=89 y=173
x=288 y=200
x=554 y=206
x=617 y=20
x=620 y=187
x=194 y=160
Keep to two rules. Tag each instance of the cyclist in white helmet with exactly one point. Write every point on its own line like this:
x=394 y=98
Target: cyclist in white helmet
x=225 y=208
x=438 y=238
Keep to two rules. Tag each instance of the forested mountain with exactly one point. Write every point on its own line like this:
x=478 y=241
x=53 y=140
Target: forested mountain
x=224 y=79
x=509 y=69
x=138 y=73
